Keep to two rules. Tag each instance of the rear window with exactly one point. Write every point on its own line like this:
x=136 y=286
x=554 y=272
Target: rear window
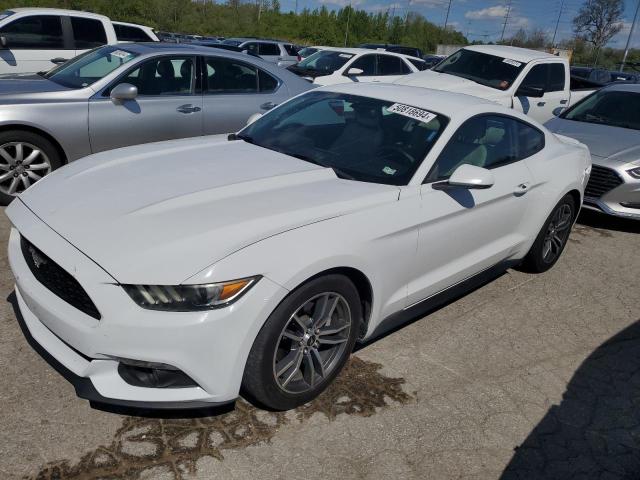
x=88 y=33
x=291 y=49
x=127 y=33
x=268 y=49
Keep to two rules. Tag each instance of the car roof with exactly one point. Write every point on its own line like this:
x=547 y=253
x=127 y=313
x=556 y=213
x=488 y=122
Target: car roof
x=150 y=48
x=358 y=51
x=524 y=55
x=448 y=103
x=129 y=24
x=623 y=87
x=57 y=11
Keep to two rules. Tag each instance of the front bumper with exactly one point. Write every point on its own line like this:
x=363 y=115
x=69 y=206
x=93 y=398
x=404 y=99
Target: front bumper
x=211 y=347
x=620 y=201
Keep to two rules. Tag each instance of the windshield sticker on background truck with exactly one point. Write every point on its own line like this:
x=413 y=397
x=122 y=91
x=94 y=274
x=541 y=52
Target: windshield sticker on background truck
x=511 y=62
x=412 y=112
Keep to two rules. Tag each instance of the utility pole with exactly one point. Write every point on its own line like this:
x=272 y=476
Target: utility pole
x=506 y=20
x=346 y=34
x=633 y=26
x=296 y=7
x=446 y=19
x=553 y=42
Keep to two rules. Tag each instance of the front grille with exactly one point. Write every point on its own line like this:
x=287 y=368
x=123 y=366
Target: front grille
x=601 y=181
x=56 y=279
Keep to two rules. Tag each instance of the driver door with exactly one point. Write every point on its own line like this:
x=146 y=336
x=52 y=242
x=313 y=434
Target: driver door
x=168 y=106
x=550 y=78
x=465 y=231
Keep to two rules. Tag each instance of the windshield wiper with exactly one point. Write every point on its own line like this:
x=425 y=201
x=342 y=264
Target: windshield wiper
x=340 y=173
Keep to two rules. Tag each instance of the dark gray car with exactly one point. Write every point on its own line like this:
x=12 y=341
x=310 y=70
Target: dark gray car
x=126 y=94
x=608 y=122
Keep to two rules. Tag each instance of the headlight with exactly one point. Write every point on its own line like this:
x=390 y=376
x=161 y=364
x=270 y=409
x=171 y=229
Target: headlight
x=634 y=172
x=188 y=298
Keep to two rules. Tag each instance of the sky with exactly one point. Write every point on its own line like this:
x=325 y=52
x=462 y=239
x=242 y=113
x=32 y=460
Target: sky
x=484 y=19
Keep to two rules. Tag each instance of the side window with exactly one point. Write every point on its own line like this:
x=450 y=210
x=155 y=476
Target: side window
x=388 y=65
x=536 y=78
x=292 y=50
x=266 y=82
x=269 y=49
x=530 y=140
x=126 y=33
x=251 y=47
x=404 y=68
x=163 y=76
x=34 y=32
x=229 y=76
x=366 y=63
x=419 y=64
x=556 y=77
x=487 y=141
x=88 y=33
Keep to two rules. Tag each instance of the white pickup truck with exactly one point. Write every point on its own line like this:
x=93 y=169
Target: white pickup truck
x=37 y=39
x=536 y=83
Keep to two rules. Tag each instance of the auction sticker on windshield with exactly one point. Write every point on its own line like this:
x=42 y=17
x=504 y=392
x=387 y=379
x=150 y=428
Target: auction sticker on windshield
x=511 y=62
x=120 y=54
x=412 y=112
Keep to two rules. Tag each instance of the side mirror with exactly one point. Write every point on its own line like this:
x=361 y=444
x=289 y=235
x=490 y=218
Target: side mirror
x=470 y=176
x=354 y=72
x=3 y=41
x=558 y=111
x=535 y=92
x=124 y=91
x=253 y=118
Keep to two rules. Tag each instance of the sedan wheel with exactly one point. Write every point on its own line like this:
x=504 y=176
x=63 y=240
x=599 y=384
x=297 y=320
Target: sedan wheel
x=304 y=343
x=312 y=342
x=25 y=158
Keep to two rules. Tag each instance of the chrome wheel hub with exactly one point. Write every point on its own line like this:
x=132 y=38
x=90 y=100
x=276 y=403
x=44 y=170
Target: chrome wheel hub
x=21 y=165
x=312 y=342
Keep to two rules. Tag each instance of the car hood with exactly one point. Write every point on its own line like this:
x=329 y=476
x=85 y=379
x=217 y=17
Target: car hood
x=449 y=83
x=160 y=213
x=11 y=84
x=614 y=144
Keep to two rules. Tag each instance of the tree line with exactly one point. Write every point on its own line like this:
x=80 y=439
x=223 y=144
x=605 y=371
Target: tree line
x=264 y=18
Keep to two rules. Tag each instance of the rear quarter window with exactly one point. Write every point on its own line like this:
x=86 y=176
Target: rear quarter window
x=88 y=33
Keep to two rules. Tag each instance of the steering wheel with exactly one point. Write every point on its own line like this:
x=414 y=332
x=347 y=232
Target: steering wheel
x=392 y=149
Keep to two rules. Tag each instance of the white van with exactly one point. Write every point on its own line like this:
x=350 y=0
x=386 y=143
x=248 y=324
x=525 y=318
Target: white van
x=38 y=39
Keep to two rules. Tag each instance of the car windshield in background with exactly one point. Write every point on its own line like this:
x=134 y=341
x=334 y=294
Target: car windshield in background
x=326 y=61
x=307 y=51
x=614 y=108
x=361 y=138
x=90 y=67
x=489 y=70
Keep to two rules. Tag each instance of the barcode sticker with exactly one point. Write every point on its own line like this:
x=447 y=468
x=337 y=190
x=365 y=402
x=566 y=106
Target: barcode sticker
x=412 y=112
x=120 y=54
x=511 y=62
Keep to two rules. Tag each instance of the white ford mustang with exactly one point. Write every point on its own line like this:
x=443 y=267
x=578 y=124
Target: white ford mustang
x=182 y=273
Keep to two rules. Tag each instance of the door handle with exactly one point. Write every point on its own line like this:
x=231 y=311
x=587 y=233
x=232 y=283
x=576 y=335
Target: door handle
x=563 y=102
x=188 y=108
x=542 y=104
x=268 y=106
x=59 y=60
x=522 y=189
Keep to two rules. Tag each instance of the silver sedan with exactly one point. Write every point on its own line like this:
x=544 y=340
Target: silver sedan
x=121 y=95
x=608 y=122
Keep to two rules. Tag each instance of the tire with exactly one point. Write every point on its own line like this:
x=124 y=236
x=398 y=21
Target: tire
x=283 y=341
x=553 y=235
x=16 y=147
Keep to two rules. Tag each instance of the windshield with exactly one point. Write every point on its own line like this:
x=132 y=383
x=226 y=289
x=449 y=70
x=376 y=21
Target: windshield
x=361 y=138
x=608 y=107
x=489 y=70
x=90 y=67
x=326 y=61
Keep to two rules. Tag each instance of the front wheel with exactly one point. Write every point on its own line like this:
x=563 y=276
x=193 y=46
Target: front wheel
x=552 y=238
x=304 y=344
x=25 y=158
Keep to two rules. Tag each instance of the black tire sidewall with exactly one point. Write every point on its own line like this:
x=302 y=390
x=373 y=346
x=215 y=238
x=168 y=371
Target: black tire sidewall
x=534 y=261
x=258 y=383
x=33 y=138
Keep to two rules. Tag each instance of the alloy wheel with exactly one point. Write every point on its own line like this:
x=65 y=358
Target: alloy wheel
x=557 y=233
x=312 y=343
x=21 y=165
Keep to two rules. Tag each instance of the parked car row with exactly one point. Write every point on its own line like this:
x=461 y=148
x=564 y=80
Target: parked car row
x=179 y=273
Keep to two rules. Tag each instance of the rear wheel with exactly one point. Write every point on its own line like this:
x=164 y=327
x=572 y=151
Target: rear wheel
x=304 y=344
x=552 y=239
x=25 y=158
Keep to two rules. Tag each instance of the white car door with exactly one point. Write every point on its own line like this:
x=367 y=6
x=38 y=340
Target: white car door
x=366 y=63
x=34 y=43
x=88 y=33
x=390 y=68
x=270 y=52
x=465 y=231
x=550 y=78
